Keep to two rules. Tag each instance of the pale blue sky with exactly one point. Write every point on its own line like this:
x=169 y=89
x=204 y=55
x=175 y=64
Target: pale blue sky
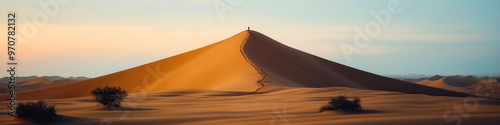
x=97 y=37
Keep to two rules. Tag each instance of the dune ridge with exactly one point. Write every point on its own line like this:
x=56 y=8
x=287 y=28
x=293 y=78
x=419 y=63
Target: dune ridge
x=264 y=78
x=248 y=61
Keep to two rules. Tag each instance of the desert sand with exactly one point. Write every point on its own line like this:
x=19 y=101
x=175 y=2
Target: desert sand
x=213 y=85
x=277 y=106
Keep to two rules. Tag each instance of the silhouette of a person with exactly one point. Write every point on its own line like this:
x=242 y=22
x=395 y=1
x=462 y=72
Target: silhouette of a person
x=248 y=28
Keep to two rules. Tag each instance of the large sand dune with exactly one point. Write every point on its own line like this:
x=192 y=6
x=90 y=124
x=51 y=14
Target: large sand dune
x=245 y=62
x=211 y=85
x=219 y=66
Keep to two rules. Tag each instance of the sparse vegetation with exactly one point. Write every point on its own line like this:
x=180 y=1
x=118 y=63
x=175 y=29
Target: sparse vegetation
x=342 y=102
x=38 y=112
x=109 y=96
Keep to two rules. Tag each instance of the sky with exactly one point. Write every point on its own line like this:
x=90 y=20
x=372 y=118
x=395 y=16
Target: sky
x=98 y=37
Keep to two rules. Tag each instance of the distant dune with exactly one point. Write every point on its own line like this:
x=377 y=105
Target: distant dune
x=408 y=76
x=36 y=83
x=464 y=84
x=248 y=61
x=436 y=77
x=5 y=80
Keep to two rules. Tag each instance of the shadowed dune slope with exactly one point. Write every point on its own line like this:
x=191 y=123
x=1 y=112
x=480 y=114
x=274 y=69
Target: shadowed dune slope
x=219 y=66
x=287 y=66
x=461 y=81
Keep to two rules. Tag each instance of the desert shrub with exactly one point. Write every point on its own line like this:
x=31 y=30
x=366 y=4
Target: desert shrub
x=342 y=102
x=38 y=112
x=109 y=96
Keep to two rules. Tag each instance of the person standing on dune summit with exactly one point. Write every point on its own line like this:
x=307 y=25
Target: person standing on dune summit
x=248 y=28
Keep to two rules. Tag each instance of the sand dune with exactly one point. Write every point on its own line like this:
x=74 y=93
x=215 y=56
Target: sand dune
x=243 y=62
x=36 y=83
x=212 y=85
x=19 y=79
x=436 y=77
x=32 y=81
x=461 y=81
x=464 y=84
x=441 y=84
x=5 y=80
x=219 y=66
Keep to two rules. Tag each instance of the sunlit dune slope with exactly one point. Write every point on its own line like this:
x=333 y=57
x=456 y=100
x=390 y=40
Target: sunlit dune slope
x=219 y=66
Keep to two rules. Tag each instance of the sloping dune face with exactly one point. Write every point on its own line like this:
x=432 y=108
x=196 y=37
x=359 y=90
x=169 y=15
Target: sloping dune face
x=245 y=62
x=461 y=81
x=287 y=66
x=220 y=66
x=469 y=84
x=442 y=85
x=32 y=81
